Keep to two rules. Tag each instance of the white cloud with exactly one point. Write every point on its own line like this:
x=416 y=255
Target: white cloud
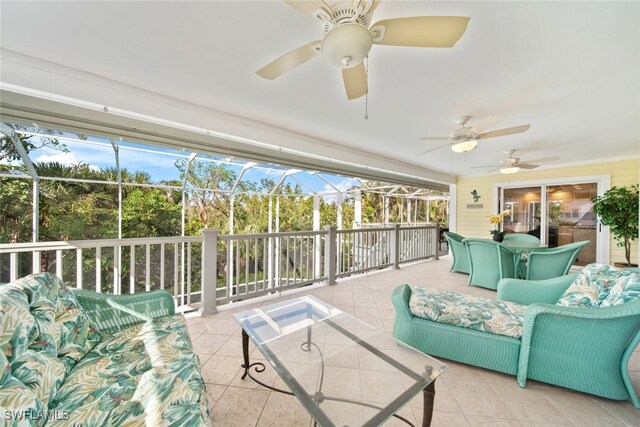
x=67 y=159
x=329 y=192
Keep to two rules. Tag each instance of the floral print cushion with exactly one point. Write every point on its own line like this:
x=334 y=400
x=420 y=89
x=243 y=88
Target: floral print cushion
x=626 y=288
x=143 y=375
x=592 y=286
x=482 y=314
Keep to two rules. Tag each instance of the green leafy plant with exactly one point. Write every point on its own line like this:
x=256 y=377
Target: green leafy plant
x=618 y=208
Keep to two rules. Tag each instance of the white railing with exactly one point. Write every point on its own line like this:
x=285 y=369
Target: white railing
x=209 y=270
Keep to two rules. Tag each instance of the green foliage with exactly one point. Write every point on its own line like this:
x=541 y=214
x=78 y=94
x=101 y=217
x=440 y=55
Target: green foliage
x=618 y=208
x=9 y=152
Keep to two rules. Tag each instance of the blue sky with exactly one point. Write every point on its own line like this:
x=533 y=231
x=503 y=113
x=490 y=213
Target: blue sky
x=98 y=153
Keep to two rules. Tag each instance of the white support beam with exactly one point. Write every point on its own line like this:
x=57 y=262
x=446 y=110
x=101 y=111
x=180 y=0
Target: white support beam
x=317 y=241
x=339 y=211
x=386 y=209
x=244 y=169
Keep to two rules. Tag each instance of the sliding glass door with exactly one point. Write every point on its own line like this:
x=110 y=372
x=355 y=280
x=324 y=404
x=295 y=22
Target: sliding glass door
x=558 y=213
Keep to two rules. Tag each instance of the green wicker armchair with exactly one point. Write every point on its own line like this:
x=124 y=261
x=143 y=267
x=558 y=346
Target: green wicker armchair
x=546 y=263
x=111 y=313
x=521 y=237
x=489 y=262
x=585 y=349
x=459 y=253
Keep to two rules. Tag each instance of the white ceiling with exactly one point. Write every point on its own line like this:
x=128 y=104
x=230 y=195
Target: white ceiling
x=569 y=69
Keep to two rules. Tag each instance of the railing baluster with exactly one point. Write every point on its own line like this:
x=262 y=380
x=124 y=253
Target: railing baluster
x=237 y=261
x=13 y=266
x=287 y=261
x=79 y=268
x=132 y=269
x=162 y=249
x=176 y=284
x=98 y=269
x=265 y=262
x=255 y=265
x=58 y=264
x=147 y=268
x=246 y=266
x=188 y=274
x=35 y=262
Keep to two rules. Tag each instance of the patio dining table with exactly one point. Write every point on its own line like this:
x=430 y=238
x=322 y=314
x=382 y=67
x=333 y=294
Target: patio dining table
x=521 y=249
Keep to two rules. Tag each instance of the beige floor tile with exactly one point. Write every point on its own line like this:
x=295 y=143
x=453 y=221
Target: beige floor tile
x=381 y=386
x=207 y=344
x=460 y=372
x=227 y=326
x=623 y=411
x=579 y=408
x=443 y=401
x=239 y=407
x=366 y=312
x=232 y=347
x=477 y=398
x=282 y=410
x=221 y=370
x=530 y=405
x=267 y=376
x=447 y=419
x=478 y=421
x=214 y=393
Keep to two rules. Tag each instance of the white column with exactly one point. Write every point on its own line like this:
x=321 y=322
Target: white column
x=209 y=271
x=357 y=214
x=409 y=211
x=428 y=210
x=386 y=210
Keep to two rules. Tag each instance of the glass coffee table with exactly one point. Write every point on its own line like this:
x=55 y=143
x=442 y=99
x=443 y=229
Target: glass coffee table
x=342 y=370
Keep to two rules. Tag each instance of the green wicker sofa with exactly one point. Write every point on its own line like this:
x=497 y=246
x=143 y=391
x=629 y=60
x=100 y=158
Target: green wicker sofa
x=553 y=332
x=72 y=357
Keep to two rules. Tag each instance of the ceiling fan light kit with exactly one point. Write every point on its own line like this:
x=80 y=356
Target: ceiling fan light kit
x=464 y=146
x=509 y=170
x=346 y=45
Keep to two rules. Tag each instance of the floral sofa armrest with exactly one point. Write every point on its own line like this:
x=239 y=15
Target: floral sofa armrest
x=111 y=313
x=534 y=291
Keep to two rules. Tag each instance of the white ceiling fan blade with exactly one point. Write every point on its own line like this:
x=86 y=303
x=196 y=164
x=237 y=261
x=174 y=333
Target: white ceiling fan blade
x=421 y=31
x=355 y=81
x=542 y=160
x=374 y=5
x=504 y=132
x=309 y=7
x=434 y=138
x=485 y=123
x=526 y=166
x=485 y=166
x=433 y=149
x=290 y=61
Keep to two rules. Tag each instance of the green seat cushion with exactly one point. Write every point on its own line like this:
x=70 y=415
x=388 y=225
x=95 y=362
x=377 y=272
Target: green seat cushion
x=592 y=286
x=143 y=375
x=483 y=314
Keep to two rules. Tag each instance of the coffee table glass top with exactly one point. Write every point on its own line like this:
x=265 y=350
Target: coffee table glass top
x=344 y=371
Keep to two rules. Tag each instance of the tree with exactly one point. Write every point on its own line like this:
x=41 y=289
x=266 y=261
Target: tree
x=618 y=208
x=9 y=152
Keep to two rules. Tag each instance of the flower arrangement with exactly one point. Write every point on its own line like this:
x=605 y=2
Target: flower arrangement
x=496 y=220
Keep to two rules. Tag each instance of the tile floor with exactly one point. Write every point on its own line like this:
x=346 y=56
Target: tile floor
x=465 y=395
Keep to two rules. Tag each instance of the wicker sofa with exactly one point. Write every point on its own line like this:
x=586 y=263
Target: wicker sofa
x=550 y=335
x=78 y=358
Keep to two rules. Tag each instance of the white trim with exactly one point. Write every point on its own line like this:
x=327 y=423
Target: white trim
x=453 y=208
x=603 y=183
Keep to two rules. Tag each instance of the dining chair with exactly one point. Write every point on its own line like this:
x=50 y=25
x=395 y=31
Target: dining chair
x=458 y=251
x=521 y=237
x=547 y=263
x=489 y=262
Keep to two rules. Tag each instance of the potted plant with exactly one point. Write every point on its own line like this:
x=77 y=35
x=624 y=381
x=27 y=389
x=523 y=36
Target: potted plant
x=496 y=220
x=618 y=208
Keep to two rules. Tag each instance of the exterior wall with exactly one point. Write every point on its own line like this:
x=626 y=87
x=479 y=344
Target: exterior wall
x=475 y=222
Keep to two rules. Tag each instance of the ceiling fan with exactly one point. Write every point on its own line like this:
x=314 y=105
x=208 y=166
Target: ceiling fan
x=512 y=164
x=348 y=38
x=466 y=138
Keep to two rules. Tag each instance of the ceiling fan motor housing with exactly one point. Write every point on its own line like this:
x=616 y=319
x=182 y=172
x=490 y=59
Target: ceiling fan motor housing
x=346 y=45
